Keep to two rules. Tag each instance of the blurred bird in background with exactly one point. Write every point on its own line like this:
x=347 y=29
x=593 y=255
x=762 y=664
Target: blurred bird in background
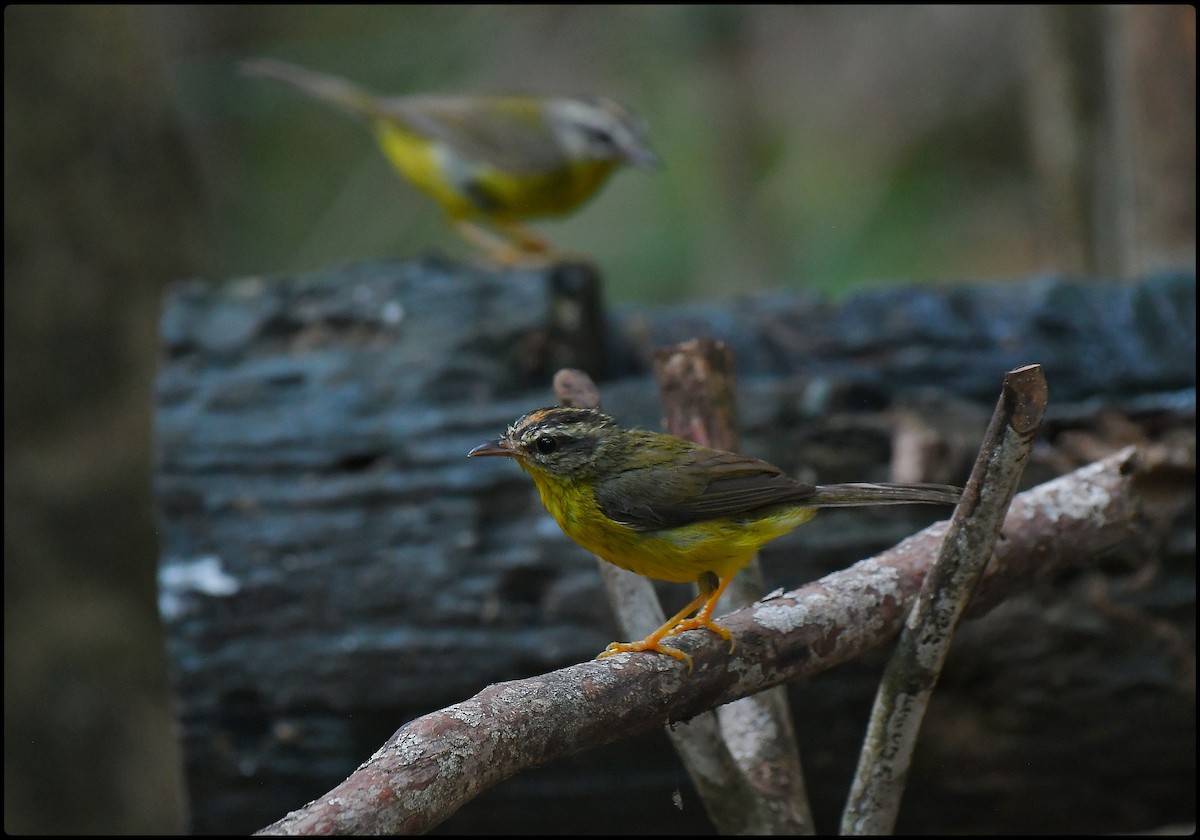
x=490 y=161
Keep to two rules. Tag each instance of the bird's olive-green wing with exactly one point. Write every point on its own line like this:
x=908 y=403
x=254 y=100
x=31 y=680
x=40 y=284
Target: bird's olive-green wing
x=702 y=484
x=508 y=133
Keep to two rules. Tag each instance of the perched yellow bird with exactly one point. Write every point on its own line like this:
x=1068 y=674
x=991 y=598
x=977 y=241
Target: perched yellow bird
x=495 y=160
x=669 y=509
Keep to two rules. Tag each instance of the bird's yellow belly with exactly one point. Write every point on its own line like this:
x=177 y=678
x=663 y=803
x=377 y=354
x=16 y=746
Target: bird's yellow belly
x=417 y=158
x=499 y=195
x=551 y=193
x=678 y=555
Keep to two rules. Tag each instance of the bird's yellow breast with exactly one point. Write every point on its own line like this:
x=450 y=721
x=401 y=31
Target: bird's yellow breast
x=679 y=555
x=510 y=196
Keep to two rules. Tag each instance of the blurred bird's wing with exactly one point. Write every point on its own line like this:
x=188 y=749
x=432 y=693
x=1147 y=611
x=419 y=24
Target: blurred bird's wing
x=508 y=133
x=704 y=484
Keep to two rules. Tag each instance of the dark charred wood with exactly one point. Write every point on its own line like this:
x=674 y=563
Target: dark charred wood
x=333 y=566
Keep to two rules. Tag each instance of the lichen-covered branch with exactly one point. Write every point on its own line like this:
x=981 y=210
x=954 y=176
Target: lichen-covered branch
x=438 y=762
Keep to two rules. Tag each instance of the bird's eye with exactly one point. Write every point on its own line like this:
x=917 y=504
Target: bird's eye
x=546 y=444
x=600 y=136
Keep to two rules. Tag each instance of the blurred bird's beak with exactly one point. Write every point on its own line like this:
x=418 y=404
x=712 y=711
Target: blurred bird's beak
x=494 y=447
x=643 y=158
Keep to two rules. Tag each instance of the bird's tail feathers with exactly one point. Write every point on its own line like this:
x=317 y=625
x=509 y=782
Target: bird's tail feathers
x=853 y=495
x=326 y=88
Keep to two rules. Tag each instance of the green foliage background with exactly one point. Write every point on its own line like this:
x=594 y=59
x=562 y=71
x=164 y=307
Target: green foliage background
x=804 y=147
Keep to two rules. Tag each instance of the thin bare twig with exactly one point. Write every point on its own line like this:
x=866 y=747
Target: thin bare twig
x=924 y=644
x=696 y=384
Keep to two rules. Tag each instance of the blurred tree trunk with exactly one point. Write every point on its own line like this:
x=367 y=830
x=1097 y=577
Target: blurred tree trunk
x=1146 y=205
x=1110 y=96
x=100 y=212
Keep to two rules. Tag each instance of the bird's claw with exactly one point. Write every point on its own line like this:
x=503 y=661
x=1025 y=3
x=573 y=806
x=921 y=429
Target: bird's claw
x=646 y=645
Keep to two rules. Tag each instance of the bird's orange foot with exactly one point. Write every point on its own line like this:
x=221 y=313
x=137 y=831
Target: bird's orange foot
x=649 y=643
x=698 y=622
x=514 y=256
x=518 y=247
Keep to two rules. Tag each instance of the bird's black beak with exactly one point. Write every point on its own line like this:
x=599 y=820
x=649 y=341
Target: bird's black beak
x=493 y=447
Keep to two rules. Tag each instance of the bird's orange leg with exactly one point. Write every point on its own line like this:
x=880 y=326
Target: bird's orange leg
x=497 y=249
x=711 y=594
x=526 y=238
x=706 y=602
x=519 y=246
x=654 y=640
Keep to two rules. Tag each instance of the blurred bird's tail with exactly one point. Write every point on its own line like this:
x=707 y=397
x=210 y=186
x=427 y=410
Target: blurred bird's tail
x=330 y=89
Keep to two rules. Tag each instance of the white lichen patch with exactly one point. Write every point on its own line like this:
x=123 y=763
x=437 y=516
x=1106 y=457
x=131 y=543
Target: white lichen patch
x=528 y=695
x=178 y=580
x=748 y=731
x=407 y=748
x=782 y=619
x=1073 y=497
x=836 y=599
x=882 y=577
x=469 y=713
